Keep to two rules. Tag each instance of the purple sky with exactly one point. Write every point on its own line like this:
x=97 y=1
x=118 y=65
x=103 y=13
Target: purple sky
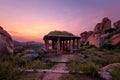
x=32 y=19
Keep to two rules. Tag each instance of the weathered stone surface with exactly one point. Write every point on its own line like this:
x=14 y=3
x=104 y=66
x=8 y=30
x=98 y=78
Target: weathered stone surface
x=6 y=42
x=105 y=75
x=96 y=40
x=105 y=71
x=115 y=39
x=85 y=35
x=117 y=24
x=100 y=28
x=30 y=56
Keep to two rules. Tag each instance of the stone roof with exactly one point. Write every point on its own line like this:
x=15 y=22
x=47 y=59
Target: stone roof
x=63 y=37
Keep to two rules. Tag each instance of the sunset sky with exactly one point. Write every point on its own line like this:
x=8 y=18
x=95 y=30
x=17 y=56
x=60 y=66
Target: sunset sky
x=30 y=20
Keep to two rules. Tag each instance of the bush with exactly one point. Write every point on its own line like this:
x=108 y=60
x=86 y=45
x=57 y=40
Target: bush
x=10 y=66
x=8 y=71
x=37 y=64
x=115 y=73
x=77 y=66
x=108 y=46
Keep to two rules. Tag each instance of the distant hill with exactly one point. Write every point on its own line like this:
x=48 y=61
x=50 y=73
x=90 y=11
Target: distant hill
x=27 y=44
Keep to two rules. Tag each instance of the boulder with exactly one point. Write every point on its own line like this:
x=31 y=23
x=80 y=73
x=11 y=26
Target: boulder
x=96 y=40
x=85 y=35
x=117 y=24
x=98 y=36
x=104 y=72
x=30 y=55
x=115 y=39
x=109 y=67
x=6 y=42
x=100 y=28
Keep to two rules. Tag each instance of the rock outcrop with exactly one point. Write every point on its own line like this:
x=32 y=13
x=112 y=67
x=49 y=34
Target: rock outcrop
x=100 y=28
x=115 y=39
x=84 y=36
x=6 y=42
x=97 y=38
x=105 y=71
x=117 y=24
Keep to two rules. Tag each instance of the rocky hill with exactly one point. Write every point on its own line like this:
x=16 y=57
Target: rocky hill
x=6 y=42
x=101 y=33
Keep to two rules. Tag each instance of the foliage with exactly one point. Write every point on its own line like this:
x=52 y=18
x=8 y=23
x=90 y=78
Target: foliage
x=10 y=66
x=60 y=33
x=116 y=73
x=107 y=46
x=111 y=30
x=87 y=67
x=8 y=71
x=40 y=65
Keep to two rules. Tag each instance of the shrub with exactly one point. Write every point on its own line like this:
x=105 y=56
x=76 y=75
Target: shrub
x=10 y=65
x=100 y=62
x=108 y=46
x=87 y=67
x=37 y=64
x=116 y=73
x=8 y=71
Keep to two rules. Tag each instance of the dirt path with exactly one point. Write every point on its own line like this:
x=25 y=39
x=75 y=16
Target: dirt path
x=55 y=76
x=62 y=59
x=54 y=73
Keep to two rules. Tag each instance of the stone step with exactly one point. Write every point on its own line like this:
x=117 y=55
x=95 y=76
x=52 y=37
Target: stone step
x=52 y=71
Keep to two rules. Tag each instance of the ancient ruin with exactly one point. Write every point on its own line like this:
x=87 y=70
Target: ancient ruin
x=61 y=44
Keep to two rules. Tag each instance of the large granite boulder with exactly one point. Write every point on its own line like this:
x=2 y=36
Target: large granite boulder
x=115 y=39
x=100 y=28
x=6 y=42
x=85 y=35
x=117 y=24
x=104 y=72
x=96 y=40
x=30 y=55
x=98 y=36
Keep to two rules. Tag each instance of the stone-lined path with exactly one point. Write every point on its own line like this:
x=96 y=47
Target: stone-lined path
x=57 y=70
x=61 y=66
x=55 y=76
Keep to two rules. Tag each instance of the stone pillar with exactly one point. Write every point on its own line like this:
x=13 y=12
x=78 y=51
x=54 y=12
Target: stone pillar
x=46 y=44
x=58 y=46
x=78 y=43
x=66 y=45
x=71 y=46
x=73 y=43
x=53 y=44
x=63 y=45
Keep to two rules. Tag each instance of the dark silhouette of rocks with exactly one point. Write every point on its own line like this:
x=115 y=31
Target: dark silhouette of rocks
x=6 y=42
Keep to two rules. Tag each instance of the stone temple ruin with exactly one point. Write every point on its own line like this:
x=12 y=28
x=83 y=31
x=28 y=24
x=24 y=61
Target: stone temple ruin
x=61 y=44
